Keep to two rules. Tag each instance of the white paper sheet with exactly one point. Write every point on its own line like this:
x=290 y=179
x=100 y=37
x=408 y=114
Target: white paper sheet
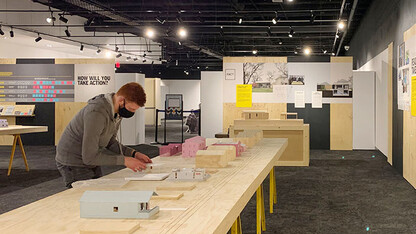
x=149 y=177
x=316 y=99
x=299 y=99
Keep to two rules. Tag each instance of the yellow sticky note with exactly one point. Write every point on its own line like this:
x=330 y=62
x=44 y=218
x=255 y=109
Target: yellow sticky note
x=244 y=95
x=413 y=101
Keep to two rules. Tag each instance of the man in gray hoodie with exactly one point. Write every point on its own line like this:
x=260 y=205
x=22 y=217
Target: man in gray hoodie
x=90 y=139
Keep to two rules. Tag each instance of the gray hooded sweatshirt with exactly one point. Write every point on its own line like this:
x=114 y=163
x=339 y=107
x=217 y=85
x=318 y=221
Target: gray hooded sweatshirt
x=89 y=140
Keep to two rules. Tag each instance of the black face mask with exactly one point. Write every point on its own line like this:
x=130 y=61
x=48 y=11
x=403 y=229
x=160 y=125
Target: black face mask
x=123 y=112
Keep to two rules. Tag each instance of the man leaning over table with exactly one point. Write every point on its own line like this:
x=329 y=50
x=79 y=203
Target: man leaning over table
x=90 y=139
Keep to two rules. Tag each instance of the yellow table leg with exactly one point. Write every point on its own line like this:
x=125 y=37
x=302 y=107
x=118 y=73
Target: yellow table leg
x=23 y=152
x=273 y=191
x=261 y=217
x=236 y=228
x=12 y=155
x=263 y=211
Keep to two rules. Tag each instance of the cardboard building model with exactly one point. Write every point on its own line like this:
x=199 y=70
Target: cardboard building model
x=192 y=145
x=169 y=150
x=255 y=114
x=188 y=174
x=117 y=205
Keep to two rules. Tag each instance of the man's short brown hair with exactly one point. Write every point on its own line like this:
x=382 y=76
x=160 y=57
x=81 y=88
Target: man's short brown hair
x=133 y=92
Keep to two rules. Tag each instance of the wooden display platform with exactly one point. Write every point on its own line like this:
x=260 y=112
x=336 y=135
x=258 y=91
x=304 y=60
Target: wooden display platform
x=297 y=152
x=211 y=206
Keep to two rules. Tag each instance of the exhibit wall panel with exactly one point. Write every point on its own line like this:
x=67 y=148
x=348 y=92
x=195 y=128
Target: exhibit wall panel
x=64 y=112
x=341 y=126
x=379 y=64
x=190 y=89
x=149 y=88
x=364 y=108
x=211 y=103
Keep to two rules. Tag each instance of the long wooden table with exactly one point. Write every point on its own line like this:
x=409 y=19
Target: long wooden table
x=211 y=207
x=16 y=131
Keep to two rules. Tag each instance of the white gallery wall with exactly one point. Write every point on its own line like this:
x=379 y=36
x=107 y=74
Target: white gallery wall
x=132 y=129
x=364 y=108
x=211 y=103
x=190 y=89
x=379 y=65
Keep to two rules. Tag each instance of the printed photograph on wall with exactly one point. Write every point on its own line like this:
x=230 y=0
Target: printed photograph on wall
x=262 y=76
x=405 y=81
x=296 y=80
x=401 y=54
x=413 y=65
x=342 y=89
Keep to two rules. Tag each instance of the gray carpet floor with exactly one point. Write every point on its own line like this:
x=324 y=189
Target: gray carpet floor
x=340 y=192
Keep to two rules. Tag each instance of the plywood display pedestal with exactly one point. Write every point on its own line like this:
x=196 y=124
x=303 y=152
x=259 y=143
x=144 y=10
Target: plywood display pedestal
x=297 y=152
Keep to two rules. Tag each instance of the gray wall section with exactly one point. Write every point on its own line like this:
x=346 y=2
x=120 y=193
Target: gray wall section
x=319 y=122
x=385 y=22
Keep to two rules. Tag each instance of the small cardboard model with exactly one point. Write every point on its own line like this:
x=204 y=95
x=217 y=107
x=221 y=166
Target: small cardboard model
x=211 y=159
x=117 y=205
x=192 y=145
x=188 y=174
x=169 y=150
x=255 y=114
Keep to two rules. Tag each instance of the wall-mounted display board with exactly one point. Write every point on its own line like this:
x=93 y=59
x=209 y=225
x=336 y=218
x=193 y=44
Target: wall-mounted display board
x=54 y=82
x=17 y=110
x=36 y=83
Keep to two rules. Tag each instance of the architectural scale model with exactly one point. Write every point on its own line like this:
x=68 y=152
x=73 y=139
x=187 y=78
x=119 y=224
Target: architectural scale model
x=188 y=174
x=255 y=114
x=3 y=123
x=211 y=159
x=169 y=150
x=192 y=145
x=117 y=205
x=238 y=146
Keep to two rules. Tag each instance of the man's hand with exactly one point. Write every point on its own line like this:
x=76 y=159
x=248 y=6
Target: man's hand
x=134 y=164
x=142 y=157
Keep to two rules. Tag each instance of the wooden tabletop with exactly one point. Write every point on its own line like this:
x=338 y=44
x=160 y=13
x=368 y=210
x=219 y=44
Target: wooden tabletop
x=211 y=207
x=19 y=129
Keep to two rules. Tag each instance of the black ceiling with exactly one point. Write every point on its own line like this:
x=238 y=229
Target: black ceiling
x=214 y=30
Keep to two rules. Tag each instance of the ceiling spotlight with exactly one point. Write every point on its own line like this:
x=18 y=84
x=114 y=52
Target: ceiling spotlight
x=240 y=20
x=341 y=25
x=38 y=38
x=337 y=35
x=98 y=51
x=150 y=33
x=179 y=42
x=11 y=32
x=280 y=41
x=144 y=55
x=325 y=51
x=333 y=54
x=291 y=32
x=290 y=0
x=182 y=32
x=135 y=59
x=68 y=34
x=108 y=54
x=307 y=51
x=144 y=60
x=296 y=52
x=63 y=19
x=50 y=19
x=128 y=58
x=119 y=55
x=274 y=21
x=1 y=31
x=116 y=49
x=81 y=49
x=254 y=51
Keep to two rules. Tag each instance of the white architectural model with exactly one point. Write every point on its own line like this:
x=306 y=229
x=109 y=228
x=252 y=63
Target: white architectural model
x=117 y=204
x=3 y=123
x=188 y=174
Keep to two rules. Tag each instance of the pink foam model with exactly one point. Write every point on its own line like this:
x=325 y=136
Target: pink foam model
x=169 y=150
x=192 y=145
x=238 y=147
